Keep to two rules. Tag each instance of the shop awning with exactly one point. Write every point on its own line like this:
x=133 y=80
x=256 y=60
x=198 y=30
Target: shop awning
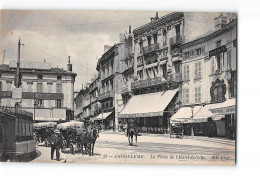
x=148 y=105
x=99 y=117
x=227 y=107
x=183 y=115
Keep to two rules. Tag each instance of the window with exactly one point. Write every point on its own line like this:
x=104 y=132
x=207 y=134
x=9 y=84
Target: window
x=165 y=37
x=111 y=84
x=155 y=38
x=229 y=59
x=185 y=96
x=178 y=30
x=212 y=66
x=197 y=95
x=59 y=103
x=186 y=72
x=219 y=62
x=198 y=70
x=141 y=46
x=217 y=94
x=198 y=51
x=0 y=86
x=39 y=76
x=218 y=43
x=191 y=53
x=186 y=55
x=149 y=38
x=39 y=103
x=164 y=69
x=39 y=87
x=59 y=77
x=140 y=75
x=58 y=88
x=177 y=67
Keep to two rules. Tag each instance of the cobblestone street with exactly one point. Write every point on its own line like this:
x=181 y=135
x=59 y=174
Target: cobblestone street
x=114 y=148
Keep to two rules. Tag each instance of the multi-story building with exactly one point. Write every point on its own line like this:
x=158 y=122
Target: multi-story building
x=157 y=72
x=208 y=102
x=46 y=92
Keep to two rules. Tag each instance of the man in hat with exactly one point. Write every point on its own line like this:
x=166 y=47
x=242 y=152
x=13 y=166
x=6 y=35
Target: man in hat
x=56 y=144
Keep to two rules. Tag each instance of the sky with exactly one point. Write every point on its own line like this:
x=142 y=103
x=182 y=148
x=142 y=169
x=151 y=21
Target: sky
x=55 y=35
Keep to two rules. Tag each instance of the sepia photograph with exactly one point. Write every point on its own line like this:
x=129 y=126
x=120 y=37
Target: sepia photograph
x=118 y=87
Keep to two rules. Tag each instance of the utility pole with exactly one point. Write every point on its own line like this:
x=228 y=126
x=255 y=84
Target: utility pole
x=3 y=56
x=18 y=74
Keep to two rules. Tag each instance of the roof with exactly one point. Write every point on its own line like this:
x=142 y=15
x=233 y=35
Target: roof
x=148 y=105
x=174 y=16
x=56 y=71
x=210 y=35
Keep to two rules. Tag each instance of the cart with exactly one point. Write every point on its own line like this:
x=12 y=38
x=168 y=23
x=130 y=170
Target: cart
x=177 y=131
x=43 y=132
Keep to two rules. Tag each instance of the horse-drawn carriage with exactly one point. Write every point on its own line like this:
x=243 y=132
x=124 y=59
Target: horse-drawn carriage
x=43 y=131
x=78 y=137
x=177 y=130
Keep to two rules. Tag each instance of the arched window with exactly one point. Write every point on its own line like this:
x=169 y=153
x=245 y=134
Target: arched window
x=218 y=91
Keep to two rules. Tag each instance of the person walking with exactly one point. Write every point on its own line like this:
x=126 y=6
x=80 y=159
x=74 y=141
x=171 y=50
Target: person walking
x=56 y=141
x=52 y=139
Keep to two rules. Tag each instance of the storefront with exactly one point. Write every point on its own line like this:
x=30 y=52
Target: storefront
x=226 y=113
x=150 y=110
x=218 y=119
x=106 y=119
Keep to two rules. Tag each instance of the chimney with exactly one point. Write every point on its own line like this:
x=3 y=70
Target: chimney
x=155 y=18
x=130 y=29
x=69 y=65
x=220 y=21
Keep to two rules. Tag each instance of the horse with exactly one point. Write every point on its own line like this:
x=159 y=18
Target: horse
x=88 y=140
x=132 y=132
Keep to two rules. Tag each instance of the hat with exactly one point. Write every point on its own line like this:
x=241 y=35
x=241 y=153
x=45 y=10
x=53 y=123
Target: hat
x=56 y=131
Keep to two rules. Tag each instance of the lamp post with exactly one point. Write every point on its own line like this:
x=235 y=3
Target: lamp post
x=192 y=131
x=34 y=105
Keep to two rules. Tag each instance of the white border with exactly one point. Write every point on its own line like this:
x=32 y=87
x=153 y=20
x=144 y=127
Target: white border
x=248 y=88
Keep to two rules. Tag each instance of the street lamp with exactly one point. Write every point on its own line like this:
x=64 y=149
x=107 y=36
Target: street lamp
x=34 y=105
x=192 y=131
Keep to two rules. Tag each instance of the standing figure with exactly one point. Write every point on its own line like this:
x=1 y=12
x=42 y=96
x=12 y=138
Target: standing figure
x=56 y=141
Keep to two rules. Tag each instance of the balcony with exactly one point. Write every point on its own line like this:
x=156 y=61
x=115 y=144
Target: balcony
x=146 y=83
x=177 y=40
x=106 y=95
x=150 y=48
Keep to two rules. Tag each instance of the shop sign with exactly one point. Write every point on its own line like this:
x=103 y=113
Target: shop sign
x=225 y=110
x=217 y=51
x=5 y=94
x=42 y=96
x=149 y=114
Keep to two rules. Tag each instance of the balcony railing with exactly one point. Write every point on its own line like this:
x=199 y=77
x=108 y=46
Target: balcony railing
x=148 y=82
x=106 y=95
x=150 y=48
x=177 y=40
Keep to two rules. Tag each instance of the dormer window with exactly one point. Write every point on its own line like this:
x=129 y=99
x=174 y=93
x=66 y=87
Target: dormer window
x=39 y=76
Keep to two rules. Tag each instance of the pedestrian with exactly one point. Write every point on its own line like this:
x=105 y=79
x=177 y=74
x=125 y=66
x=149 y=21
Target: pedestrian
x=52 y=139
x=57 y=142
